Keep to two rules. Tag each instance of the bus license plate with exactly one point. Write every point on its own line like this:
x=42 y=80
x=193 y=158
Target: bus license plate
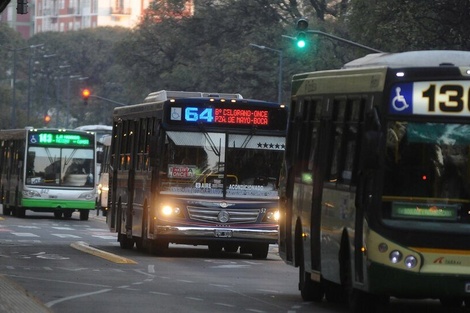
x=223 y=233
x=467 y=287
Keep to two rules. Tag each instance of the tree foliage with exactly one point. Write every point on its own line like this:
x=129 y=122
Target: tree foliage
x=211 y=51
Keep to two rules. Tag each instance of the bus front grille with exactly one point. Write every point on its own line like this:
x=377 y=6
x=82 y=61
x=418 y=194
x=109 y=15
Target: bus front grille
x=218 y=215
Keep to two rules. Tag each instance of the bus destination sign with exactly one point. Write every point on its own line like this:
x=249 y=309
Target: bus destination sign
x=58 y=139
x=229 y=116
x=449 y=98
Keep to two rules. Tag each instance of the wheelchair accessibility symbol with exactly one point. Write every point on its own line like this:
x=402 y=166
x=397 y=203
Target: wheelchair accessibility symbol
x=401 y=98
x=399 y=102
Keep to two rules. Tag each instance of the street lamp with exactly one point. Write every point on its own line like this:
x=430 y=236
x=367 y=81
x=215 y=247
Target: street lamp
x=29 y=78
x=279 y=87
x=61 y=67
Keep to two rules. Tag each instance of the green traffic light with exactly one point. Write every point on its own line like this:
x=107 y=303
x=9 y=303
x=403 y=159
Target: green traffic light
x=300 y=40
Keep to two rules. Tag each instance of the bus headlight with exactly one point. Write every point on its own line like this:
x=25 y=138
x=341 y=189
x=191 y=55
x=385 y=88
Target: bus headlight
x=411 y=261
x=272 y=216
x=168 y=210
x=87 y=195
x=31 y=194
x=395 y=256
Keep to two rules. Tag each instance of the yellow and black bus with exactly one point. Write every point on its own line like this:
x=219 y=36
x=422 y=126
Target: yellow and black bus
x=196 y=168
x=375 y=197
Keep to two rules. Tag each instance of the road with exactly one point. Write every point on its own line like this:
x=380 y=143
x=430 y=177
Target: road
x=64 y=264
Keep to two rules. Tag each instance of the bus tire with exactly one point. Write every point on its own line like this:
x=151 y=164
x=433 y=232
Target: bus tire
x=309 y=290
x=84 y=215
x=125 y=243
x=58 y=214
x=68 y=214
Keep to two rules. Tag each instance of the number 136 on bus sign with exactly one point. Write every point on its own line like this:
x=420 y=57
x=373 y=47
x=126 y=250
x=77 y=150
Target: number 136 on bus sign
x=431 y=98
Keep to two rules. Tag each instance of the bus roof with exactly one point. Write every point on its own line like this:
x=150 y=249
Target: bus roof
x=425 y=58
x=164 y=95
x=94 y=127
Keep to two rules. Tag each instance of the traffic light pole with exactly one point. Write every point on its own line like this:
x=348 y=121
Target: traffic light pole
x=109 y=100
x=317 y=32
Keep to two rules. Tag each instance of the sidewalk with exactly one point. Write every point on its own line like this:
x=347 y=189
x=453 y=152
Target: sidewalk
x=15 y=299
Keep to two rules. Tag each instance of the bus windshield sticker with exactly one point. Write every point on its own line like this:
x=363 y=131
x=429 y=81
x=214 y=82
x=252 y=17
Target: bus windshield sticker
x=430 y=98
x=181 y=171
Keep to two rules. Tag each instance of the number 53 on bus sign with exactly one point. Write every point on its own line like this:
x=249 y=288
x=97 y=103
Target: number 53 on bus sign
x=431 y=98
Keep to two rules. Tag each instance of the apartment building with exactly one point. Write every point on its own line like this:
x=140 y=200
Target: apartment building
x=69 y=15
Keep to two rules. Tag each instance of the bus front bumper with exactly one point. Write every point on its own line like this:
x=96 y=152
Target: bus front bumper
x=189 y=234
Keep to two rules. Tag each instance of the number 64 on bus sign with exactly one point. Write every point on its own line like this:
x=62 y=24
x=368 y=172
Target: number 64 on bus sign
x=431 y=98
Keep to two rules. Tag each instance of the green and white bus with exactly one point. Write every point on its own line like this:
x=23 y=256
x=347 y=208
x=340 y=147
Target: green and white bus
x=376 y=182
x=47 y=170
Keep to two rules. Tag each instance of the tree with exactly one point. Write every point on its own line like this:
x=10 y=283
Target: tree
x=411 y=25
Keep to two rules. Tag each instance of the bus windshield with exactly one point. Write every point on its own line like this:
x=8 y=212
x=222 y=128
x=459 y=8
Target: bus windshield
x=221 y=165
x=427 y=172
x=59 y=166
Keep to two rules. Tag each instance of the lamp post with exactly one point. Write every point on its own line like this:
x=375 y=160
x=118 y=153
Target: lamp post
x=29 y=78
x=279 y=86
x=58 y=93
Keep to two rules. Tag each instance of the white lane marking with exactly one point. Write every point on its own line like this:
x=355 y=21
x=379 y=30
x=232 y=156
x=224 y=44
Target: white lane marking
x=66 y=236
x=195 y=299
x=28 y=226
x=225 y=304
x=24 y=234
x=63 y=228
x=107 y=237
x=51 y=303
x=160 y=293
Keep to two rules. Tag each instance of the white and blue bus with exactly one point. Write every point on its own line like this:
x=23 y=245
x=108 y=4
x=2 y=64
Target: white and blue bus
x=199 y=169
x=375 y=197
x=47 y=170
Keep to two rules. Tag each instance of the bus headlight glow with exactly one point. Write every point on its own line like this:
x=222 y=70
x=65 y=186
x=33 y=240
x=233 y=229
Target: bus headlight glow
x=168 y=210
x=31 y=194
x=87 y=195
x=411 y=261
x=272 y=216
x=395 y=256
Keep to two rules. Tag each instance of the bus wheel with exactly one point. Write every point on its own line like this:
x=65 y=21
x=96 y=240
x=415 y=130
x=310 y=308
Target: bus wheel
x=126 y=243
x=260 y=251
x=309 y=290
x=57 y=214
x=68 y=214
x=84 y=215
